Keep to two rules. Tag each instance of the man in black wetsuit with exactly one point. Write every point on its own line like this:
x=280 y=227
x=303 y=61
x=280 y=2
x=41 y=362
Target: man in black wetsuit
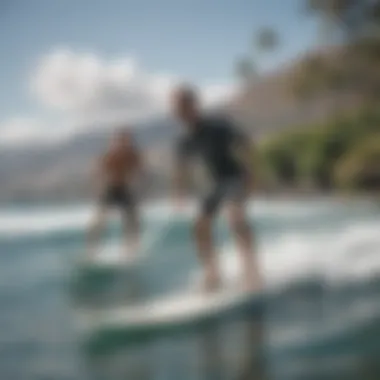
x=217 y=142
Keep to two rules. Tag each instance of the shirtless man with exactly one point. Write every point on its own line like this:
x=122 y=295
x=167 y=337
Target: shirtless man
x=218 y=143
x=116 y=172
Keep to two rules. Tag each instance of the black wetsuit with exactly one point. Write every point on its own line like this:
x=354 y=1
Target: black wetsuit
x=213 y=141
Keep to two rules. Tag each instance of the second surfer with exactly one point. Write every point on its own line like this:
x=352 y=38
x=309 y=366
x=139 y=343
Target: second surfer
x=116 y=173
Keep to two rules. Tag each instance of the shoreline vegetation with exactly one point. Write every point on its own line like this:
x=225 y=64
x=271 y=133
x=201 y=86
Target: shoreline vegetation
x=341 y=156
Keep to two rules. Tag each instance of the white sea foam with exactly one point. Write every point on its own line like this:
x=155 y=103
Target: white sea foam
x=42 y=221
x=350 y=249
x=350 y=252
x=20 y=222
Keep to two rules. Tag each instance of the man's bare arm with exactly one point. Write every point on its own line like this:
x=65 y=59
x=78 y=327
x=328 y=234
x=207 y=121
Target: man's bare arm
x=180 y=180
x=181 y=170
x=99 y=175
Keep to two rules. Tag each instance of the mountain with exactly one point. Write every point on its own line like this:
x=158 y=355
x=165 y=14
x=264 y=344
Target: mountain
x=64 y=171
x=270 y=104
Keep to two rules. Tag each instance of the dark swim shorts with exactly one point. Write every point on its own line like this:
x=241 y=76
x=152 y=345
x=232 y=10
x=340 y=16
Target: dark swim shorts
x=231 y=190
x=119 y=196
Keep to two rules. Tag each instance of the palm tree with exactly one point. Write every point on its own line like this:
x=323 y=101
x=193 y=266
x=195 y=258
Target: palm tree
x=355 y=26
x=266 y=40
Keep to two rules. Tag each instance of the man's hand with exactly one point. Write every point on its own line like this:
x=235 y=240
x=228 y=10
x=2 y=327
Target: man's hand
x=181 y=174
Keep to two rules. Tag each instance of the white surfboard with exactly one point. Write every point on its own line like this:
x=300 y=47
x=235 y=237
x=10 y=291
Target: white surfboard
x=183 y=310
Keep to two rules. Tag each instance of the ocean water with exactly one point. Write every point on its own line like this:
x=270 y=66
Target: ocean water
x=320 y=259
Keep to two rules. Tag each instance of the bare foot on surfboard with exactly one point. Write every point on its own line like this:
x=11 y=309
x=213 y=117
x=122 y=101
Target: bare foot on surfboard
x=90 y=255
x=131 y=251
x=251 y=284
x=211 y=283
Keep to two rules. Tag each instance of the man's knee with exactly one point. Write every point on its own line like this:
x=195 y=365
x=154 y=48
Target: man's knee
x=238 y=220
x=99 y=220
x=131 y=219
x=202 y=226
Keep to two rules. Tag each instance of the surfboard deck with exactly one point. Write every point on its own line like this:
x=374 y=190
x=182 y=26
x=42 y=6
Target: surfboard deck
x=177 y=312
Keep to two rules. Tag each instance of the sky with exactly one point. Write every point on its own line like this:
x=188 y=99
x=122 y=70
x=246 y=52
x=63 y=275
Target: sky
x=68 y=64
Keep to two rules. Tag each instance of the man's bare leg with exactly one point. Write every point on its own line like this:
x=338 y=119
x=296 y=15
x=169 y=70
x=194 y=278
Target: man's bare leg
x=243 y=236
x=206 y=252
x=95 y=231
x=131 y=231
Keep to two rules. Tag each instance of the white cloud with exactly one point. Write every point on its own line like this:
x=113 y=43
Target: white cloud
x=84 y=88
x=89 y=86
x=214 y=94
x=86 y=84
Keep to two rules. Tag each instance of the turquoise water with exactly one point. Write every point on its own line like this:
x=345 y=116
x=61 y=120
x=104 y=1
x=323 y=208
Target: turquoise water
x=321 y=318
